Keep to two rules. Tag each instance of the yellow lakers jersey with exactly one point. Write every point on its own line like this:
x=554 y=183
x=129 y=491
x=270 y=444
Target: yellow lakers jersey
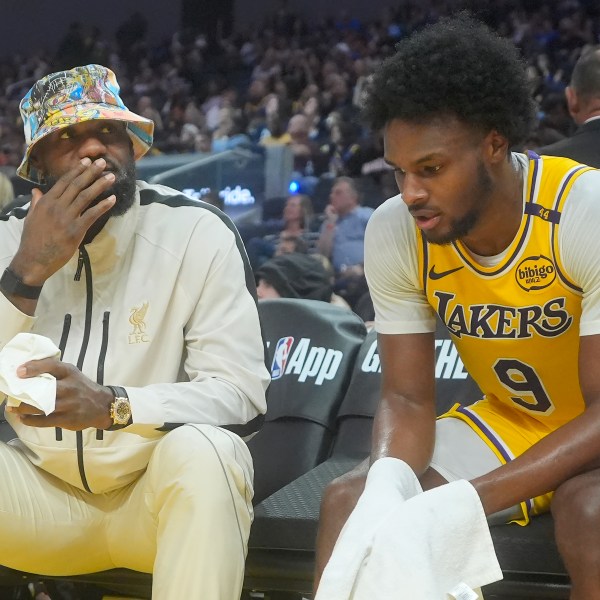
x=516 y=324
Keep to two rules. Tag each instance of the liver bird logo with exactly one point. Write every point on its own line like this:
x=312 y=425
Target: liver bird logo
x=136 y=318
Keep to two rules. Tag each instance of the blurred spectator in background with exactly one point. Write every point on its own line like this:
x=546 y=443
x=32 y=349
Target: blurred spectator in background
x=275 y=132
x=362 y=69
x=343 y=155
x=554 y=123
x=288 y=244
x=554 y=114
x=337 y=94
x=203 y=141
x=187 y=138
x=173 y=125
x=214 y=100
x=326 y=263
x=230 y=132
x=342 y=238
x=293 y=276
x=7 y=193
x=296 y=223
x=254 y=109
x=309 y=104
x=583 y=99
x=145 y=108
x=304 y=149
x=269 y=66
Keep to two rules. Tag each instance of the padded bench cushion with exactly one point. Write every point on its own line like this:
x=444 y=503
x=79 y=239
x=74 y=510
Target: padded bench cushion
x=288 y=520
x=529 y=549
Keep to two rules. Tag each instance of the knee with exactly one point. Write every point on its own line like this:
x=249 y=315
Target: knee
x=342 y=494
x=335 y=493
x=576 y=512
x=578 y=497
x=190 y=456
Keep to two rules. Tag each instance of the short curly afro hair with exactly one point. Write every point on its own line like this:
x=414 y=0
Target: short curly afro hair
x=455 y=67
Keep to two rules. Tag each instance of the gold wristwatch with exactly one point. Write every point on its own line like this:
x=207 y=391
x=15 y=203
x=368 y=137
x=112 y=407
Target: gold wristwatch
x=120 y=408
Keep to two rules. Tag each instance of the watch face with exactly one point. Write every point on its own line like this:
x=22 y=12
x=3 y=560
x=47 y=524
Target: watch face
x=122 y=411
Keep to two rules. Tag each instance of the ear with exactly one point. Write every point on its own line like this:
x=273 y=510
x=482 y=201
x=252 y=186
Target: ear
x=495 y=147
x=572 y=101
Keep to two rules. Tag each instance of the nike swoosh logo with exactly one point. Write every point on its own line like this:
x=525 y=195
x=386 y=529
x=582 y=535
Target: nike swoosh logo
x=433 y=274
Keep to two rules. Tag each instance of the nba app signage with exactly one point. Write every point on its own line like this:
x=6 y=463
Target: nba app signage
x=307 y=361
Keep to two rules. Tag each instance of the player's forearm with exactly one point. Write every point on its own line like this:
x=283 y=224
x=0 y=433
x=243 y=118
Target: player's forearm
x=404 y=429
x=572 y=449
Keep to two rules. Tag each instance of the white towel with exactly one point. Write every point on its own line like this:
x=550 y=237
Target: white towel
x=38 y=391
x=389 y=482
x=414 y=545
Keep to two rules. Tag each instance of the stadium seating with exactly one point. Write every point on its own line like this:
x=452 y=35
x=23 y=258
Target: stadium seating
x=285 y=524
x=281 y=548
x=311 y=347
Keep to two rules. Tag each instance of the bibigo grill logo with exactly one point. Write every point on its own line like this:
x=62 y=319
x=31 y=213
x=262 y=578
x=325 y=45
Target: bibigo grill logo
x=535 y=273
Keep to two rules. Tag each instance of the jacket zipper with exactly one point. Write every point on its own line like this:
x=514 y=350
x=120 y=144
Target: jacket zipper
x=79 y=264
x=101 y=359
x=84 y=261
x=61 y=346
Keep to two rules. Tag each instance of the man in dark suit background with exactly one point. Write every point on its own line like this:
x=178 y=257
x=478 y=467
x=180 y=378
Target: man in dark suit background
x=583 y=99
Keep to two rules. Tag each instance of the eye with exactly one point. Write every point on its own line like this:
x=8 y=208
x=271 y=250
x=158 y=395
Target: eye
x=106 y=129
x=65 y=134
x=431 y=169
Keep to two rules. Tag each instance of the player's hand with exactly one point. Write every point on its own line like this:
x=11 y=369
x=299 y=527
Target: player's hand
x=80 y=402
x=58 y=220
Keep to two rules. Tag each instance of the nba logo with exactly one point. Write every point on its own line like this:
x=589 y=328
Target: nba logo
x=282 y=351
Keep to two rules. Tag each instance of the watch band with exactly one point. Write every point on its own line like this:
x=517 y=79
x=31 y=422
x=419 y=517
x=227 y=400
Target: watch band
x=119 y=394
x=12 y=284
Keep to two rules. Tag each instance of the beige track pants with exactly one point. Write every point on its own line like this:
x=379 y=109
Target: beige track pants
x=186 y=519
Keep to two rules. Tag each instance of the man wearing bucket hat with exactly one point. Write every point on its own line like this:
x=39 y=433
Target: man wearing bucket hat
x=141 y=464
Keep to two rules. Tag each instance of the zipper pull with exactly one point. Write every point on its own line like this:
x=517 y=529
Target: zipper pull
x=79 y=266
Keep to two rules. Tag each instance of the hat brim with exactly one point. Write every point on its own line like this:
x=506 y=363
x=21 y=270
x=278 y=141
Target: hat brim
x=140 y=130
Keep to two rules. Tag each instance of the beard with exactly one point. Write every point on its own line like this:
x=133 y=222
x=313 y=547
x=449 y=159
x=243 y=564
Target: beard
x=479 y=195
x=123 y=188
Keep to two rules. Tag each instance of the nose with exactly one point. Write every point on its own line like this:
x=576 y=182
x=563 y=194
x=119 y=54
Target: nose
x=413 y=191
x=92 y=147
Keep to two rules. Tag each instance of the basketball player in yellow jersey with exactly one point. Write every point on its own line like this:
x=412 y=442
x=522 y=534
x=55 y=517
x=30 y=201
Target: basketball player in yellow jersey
x=504 y=248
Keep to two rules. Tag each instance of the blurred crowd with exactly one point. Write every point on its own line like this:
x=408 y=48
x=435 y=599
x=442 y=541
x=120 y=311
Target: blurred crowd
x=298 y=83
x=291 y=82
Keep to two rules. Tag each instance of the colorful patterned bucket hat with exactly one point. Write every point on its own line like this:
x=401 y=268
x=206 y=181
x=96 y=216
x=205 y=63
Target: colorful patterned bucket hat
x=69 y=97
